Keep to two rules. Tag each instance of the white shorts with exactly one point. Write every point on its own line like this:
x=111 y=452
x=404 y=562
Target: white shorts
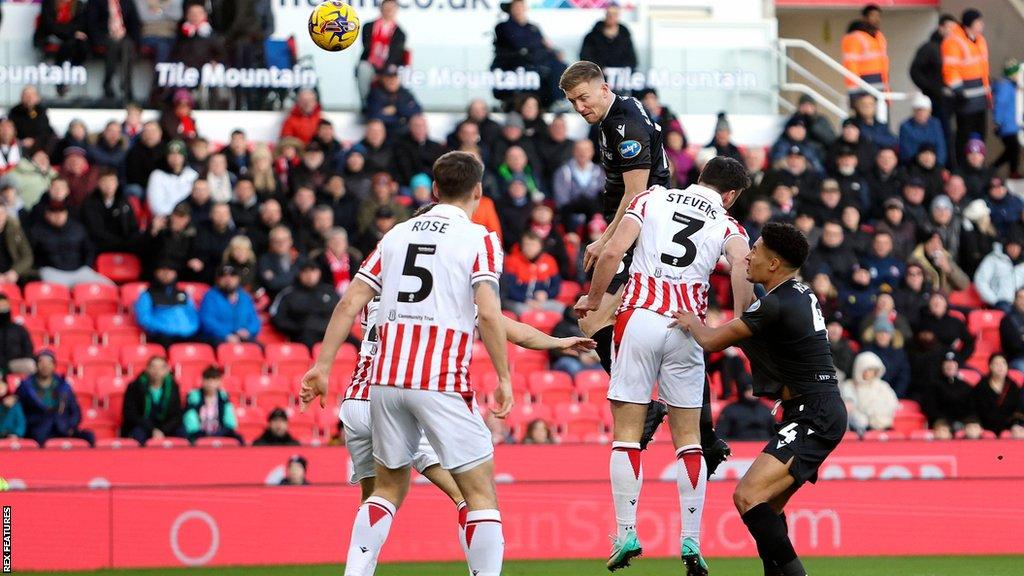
x=646 y=351
x=355 y=415
x=451 y=423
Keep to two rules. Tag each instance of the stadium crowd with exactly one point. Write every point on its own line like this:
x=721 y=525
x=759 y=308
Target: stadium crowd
x=165 y=286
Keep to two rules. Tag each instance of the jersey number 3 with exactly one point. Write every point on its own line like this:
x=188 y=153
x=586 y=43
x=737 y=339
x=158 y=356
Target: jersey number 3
x=690 y=227
x=411 y=269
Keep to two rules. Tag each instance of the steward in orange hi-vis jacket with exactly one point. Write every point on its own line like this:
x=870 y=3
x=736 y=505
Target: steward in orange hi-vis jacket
x=865 y=54
x=965 y=74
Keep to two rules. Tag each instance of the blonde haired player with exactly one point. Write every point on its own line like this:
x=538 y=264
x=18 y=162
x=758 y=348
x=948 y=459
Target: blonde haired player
x=680 y=236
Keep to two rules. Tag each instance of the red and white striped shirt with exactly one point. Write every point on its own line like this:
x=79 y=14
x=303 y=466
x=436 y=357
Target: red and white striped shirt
x=682 y=235
x=424 y=270
x=359 y=387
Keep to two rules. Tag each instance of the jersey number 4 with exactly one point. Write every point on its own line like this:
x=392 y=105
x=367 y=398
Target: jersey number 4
x=411 y=269
x=682 y=237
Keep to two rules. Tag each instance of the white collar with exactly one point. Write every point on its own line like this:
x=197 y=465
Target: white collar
x=707 y=193
x=448 y=210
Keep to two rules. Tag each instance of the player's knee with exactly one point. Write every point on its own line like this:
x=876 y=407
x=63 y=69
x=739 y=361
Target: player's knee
x=744 y=498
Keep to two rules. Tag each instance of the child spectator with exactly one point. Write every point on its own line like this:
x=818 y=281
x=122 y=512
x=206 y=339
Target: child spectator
x=152 y=404
x=276 y=433
x=531 y=277
x=51 y=409
x=295 y=472
x=870 y=400
x=208 y=410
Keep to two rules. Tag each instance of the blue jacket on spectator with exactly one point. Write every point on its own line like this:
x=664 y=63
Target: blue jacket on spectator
x=404 y=102
x=912 y=135
x=12 y=420
x=897 y=367
x=878 y=133
x=219 y=317
x=42 y=421
x=172 y=313
x=887 y=270
x=1004 y=107
x=1005 y=212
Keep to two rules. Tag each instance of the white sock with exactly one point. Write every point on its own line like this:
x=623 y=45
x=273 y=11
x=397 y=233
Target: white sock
x=369 y=531
x=691 y=478
x=485 y=544
x=463 y=512
x=627 y=476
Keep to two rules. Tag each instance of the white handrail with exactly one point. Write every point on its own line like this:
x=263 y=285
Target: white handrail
x=832 y=107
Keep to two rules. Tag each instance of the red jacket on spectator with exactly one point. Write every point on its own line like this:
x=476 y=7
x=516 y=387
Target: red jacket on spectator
x=301 y=126
x=525 y=277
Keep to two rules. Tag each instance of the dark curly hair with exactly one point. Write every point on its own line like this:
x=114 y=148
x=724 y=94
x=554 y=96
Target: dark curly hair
x=724 y=174
x=785 y=240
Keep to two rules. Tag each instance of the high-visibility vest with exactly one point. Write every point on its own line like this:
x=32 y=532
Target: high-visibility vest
x=866 y=56
x=965 y=69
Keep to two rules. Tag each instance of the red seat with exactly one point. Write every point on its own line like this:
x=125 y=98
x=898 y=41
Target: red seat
x=288 y=359
x=13 y=294
x=510 y=314
x=65 y=443
x=196 y=290
x=36 y=327
x=117 y=330
x=1017 y=376
x=233 y=385
x=190 y=359
x=85 y=392
x=884 y=435
x=241 y=359
x=908 y=407
x=268 y=392
x=118 y=443
x=130 y=292
x=218 y=442
x=95 y=361
x=101 y=422
x=970 y=376
x=120 y=267
x=980 y=321
x=551 y=387
x=69 y=330
x=270 y=335
x=568 y=292
x=302 y=425
x=543 y=320
x=167 y=442
x=135 y=357
x=969 y=298
x=46 y=298
x=523 y=414
x=110 y=393
x=907 y=423
x=95 y=299
x=921 y=435
x=524 y=361
x=18 y=444
x=592 y=385
x=579 y=417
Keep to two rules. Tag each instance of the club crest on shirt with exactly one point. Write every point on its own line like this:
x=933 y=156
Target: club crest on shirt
x=753 y=307
x=657 y=272
x=629 y=149
x=392 y=316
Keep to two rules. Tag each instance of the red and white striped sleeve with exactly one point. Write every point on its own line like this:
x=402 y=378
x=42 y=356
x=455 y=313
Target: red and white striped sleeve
x=489 y=259
x=370 y=270
x=734 y=228
x=637 y=209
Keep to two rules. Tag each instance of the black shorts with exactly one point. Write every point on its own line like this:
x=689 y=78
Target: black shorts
x=812 y=426
x=621 y=273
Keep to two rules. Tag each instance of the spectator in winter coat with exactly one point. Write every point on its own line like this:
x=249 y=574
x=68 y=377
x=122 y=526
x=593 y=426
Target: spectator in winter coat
x=416 y=152
x=948 y=331
x=1001 y=274
x=279 y=265
x=63 y=250
x=108 y=218
x=887 y=344
x=795 y=134
x=851 y=136
x=832 y=256
x=886 y=314
x=208 y=411
x=165 y=312
x=542 y=222
x=10 y=151
x=302 y=310
x=747 y=419
x=997 y=400
x=227 y=313
x=531 y=277
x=212 y=240
x=1006 y=209
x=16 y=258
x=609 y=43
x=865 y=109
x=902 y=229
x=514 y=207
x=858 y=299
x=60 y=31
x=978 y=235
x=276 y=433
x=392 y=103
x=926 y=72
x=921 y=128
x=947 y=224
x=12 y=417
x=32 y=176
x=144 y=157
x=198 y=43
x=912 y=296
x=80 y=176
x=854 y=187
x=513 y=136
x=31 y=121
x=942 y=271
x=571 y=361
x=115 y=34
x=172 y=184
x=948 y=403
x=925 y=168
x=15 y=344
x=304 y=117
x=885 y=180
x=220 y=180
x=152 y=404
x=338 y=261
x=376 y=150
x=337 y=196
x=110 y=149
x=50 y=407
x=383 y=194
x=1011 y=332
x=978 y=176
x=172 y=238
x=556 y=147
x=870 y=401
x=383 y=46
x=884 y=267
x=1007 y=117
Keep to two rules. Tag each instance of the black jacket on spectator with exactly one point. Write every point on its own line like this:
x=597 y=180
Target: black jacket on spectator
x=303 y=175
x=210 y=246
x=65 y=248
x=379 y=159
x=112 y=228
x=617 y=52
x=245 y=217
x=198 y=50
x=948 y=399
x=103 y=154
x=555 y=155
x=746 y=420
x=273 y=273
x=977 y=180
x=974 y=246
x=302 y=313
x=1011 y=334
x=15 y=342
x=141 y=161
x=997 y=411
x=926 y=68
x=396 y=48
x=951 y=334
x=514 y=217
x=140 y=412
x=842 y=356
x=933 y=182
x=883 y=187
x=412 y=157
x=346 y=209
x=34 y=123
x=533 y=157
x=835 y=262
x=268 y=439
x=176 y=248
x=97 y=21
x=865 y=148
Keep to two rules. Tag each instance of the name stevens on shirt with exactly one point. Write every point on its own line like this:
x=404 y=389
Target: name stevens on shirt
x=696 y=202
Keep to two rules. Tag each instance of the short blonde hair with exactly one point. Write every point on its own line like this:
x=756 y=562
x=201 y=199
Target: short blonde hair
x=578 y=73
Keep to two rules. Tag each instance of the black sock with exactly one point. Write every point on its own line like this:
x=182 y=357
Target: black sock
x=773 y=544
x=708 y=437
x=603 y=337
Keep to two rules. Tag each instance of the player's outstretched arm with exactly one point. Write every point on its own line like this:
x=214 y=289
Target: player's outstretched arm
x=712 y=339
x=491 y=323
x=607 y=263
x=314 y=383
x=635 y=182
x=529 y=337
x=736 y=250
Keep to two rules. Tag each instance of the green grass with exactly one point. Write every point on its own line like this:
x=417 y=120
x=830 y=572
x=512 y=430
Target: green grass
x=913 y=566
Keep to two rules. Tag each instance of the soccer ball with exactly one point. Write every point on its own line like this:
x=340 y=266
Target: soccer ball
x=333 y=25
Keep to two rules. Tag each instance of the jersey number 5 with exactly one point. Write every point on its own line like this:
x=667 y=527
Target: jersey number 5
x=690 y=227
x=411 y=269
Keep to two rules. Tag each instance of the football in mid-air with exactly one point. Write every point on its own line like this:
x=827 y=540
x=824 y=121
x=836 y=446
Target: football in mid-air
x=333 y=25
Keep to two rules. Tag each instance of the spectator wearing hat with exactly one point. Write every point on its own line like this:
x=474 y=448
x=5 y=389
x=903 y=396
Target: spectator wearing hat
x=977 y=237
x=415 y=153
x=279 y=265
x=208 y=411
x=977 y=176
x=171 y=184
x=1001 y=273
x=855 y=189
x=947 y=401
x=32 y=176
x=945 y=222
x=795 y=134
x=50 y=407
x=514 y=208
x=383 y=194
x=391 y=103
x=942 y=270
x=152 y=404
x=1007 y=116
x=857 y=299
x=531 y=280
x=886 y=342
x=276 y=432
x=80 y=175
x=15 y=344
x=903 y=230
x=302 y=310
x=819 y=129
x=965 y=73
x=746 y=419
x=421 y=191
x=177 y=121
x=870 y=400
x=722 y=142
x=795 y=171
x=850 y=135
x=865 y=110
x=609 y=43
x=304 y=117
x=295 y=472
x=832 y=256
x=228 y=313
x=885 y=268
x=1011 y=332
x=166 y=313
x=922 y=128
x=146 y=155
x=926 y=73
x=108 y=217
x=384 y=219
x=1006 y=209
x=311 y=172
x=914 y=202
x=997 y=400
x=62 y=248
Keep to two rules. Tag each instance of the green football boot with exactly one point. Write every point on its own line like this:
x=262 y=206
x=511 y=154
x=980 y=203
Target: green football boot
x=623 y=550
x=695 y=564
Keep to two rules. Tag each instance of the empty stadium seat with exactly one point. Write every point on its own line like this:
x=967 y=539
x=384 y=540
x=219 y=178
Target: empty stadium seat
x=592 y=385
x=190 y=359
x=93 y=361
x=551 y=387
x=268 y=391
x=981 y=321
x=302 y=425
x=485 y=387
x=288 y=359
x=65 y=444
x=270 y=335
x=130 y=292
x=524 y=361
x=523 y=414
x=1017 y=376
x=578 y=417
x=242 y=360
x=972 y=377
x=135 y=357
x=884 y=435
x=968 y=299
x=85 y=392
x=118 y=443
x=70 y=330
x=543 y=320
x=251 y=422
x=101 y=422
x=117 y=330
x=46 y=298
x=110 y=393
x=567 y=292
x=36 y=328
x=197 y=290
x=167 y=442
x=218 y=442
x=94 y=299
x=120 y=267
x=18 y=444
x=907 y=423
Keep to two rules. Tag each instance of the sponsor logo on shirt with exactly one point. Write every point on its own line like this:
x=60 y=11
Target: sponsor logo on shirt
x=630 y=149
x=753 y=307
